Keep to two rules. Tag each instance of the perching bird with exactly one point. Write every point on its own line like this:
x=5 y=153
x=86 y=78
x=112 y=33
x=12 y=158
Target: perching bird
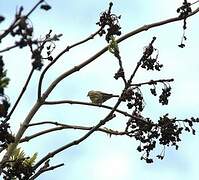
x=98 y=97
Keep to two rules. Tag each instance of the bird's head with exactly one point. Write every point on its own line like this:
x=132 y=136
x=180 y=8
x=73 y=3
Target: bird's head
x=90 y=93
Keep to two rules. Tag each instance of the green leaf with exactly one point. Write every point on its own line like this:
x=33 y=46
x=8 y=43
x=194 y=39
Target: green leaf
x=30 y=161
x=4 y=82
x=113 y=46
x=15 y=154
x=19 y=154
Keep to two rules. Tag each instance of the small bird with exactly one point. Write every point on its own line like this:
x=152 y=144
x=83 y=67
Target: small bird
x=98 y=97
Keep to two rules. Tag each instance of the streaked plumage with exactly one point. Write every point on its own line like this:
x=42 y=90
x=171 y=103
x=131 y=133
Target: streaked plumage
x=98 y=97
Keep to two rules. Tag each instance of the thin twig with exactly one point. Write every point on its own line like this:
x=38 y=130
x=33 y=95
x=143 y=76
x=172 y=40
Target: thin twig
x=9 y=48
x=34 y=41
x=42 y=170
x=153 y=82
x=137 y=118
x=138 y=64
x=7 y=31
x=20 y=95
x=195 y=2
x=121 y=67
x=85 y=103
x=30 y=12
x=66 y=126
x=153 y=25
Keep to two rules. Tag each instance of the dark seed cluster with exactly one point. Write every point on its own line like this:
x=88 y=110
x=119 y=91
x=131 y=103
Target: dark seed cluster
x=147 y=61
x=165 y=132
x=153 y=90
x=188 y=125
x=37 y=63
x=169 y=131
x=119 y=73
x=110 y=20
x=166 y=92
x=184 y=11
x=4 y=81
x=145 y=131
x=37 y=54
x=2 y=18
x=17 y=170
x=46 y=44
x=134 y=98
x=45 y=7
x=5 y=136
x=24 y=29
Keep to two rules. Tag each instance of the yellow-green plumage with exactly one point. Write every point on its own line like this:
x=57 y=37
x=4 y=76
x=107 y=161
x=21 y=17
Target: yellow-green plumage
x=98 y=97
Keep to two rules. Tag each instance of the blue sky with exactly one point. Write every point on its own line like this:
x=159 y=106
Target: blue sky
x=101 y=157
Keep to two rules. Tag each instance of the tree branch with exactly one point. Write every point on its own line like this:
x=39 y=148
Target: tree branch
x=20 y=95
x=195 y=2
x=42 y=170
x=153 y=82
x=9 y=48
x=153 y=25
x=31 y=11
x=66 y=126
x=86 y=104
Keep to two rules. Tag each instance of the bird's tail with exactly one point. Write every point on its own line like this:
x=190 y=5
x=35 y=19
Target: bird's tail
x=110 y=95
x=115 y=95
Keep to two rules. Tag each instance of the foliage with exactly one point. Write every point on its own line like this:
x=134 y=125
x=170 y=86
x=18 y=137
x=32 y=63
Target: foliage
x=19 y=166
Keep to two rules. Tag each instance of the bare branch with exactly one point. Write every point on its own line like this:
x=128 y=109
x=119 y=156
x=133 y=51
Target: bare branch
x=20 y=95
x=87 y=104
x=42 y=170
x=31 y=11
x=195 y=2
x=66 y=126
x=153 y=82
x=153 y=25
x=9 y=48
